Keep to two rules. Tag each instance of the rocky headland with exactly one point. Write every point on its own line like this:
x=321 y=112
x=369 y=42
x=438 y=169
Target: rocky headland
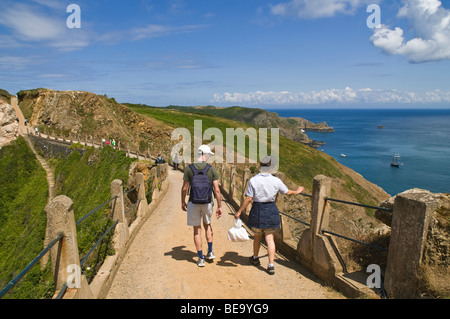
x=9 y=125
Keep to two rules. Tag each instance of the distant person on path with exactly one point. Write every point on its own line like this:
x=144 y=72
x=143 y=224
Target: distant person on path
x=176 y=161
x=203 y=180
x=160 y=159
x=264 y=217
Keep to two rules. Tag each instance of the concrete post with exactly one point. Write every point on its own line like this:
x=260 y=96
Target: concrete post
x=319 y=206
x=232 y=181
x=245 y=180
x=142 y=208
x=410 y=222
x=222 y=173
x=317 y=251
x=60 y=218
x=121 y=236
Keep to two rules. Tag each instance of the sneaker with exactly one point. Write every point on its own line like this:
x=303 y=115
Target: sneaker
x=210 y=256
x=254 y=261
x=201 y=262
x=271 y=270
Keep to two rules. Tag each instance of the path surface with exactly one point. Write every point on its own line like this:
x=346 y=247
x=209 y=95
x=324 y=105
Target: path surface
x=161 y=262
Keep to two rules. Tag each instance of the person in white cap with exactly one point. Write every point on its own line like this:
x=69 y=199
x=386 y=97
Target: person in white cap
x=203 y=180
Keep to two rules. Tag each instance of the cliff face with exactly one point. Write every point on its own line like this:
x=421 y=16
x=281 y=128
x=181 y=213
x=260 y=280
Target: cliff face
x=9 y=127
x=85 y=114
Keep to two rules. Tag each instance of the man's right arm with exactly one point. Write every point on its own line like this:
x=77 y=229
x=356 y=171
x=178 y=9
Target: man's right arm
x=216 y=189
x=184 y=190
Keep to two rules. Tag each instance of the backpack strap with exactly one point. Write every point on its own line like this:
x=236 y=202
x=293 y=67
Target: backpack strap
x=203 y=171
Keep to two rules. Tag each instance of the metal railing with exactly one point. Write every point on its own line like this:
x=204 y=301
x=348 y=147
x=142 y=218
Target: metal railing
x=324 y=231
x=13 y=282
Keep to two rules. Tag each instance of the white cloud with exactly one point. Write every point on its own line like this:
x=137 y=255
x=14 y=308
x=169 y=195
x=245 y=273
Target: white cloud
x=347 y=96
x=156 y=30
x=318 y=8
x=30 y=25
x=431 y=23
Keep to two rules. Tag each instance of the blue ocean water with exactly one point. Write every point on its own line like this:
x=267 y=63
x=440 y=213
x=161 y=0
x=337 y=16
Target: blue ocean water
x=421 y=137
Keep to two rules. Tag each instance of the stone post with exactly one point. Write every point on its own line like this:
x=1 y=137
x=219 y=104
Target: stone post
x=245 y=180
x=142 y=208
x=316 y=250
x=65 y=258
x=121 y=236
x=232 y=182
x=410 y=221
x=222 y=173
x=60 y=218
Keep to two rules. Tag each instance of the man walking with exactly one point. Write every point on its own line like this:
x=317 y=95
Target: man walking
x=264 y=217
x=203 y=180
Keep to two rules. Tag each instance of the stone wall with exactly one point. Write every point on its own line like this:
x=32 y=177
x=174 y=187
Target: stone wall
x=52 y=148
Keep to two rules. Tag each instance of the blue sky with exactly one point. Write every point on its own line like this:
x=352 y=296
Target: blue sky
x=257 y=53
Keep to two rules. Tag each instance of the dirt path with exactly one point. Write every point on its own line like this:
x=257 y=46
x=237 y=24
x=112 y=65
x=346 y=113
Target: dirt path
x=161 y=263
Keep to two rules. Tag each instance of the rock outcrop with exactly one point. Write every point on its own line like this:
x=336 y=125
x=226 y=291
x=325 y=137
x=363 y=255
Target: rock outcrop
x=85 y=115
x=9 y=126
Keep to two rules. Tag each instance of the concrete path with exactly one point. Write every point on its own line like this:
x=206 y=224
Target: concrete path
x=161 y=262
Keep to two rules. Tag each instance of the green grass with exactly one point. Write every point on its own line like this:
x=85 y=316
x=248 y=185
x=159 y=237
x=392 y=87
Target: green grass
x=298 y=162
x=23 y=196
x=86 y=180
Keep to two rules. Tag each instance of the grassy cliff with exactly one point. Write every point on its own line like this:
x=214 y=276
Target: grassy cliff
x=86 y=180
x=23 y=196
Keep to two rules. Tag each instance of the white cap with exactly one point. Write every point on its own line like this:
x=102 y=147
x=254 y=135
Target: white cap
x=205 y=150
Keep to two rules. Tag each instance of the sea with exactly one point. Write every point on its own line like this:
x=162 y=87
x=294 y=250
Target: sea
x=365 y=140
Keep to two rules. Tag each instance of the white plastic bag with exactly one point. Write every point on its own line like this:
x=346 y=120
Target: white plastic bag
x=237 y=233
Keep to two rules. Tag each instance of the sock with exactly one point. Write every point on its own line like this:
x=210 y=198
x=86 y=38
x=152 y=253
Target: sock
x=270 y=265
x=255 y=257
x=200 y=254
x=210 y=247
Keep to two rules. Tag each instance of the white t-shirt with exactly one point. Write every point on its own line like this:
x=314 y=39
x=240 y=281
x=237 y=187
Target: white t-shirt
x=265 y=187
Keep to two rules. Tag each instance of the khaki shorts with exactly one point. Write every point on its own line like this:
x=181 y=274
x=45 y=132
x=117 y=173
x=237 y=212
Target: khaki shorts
x=267 y=231
x=197 y=212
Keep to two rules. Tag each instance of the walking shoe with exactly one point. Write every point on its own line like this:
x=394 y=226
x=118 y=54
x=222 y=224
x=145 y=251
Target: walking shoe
x=271 y=270
x=254 y=261
x=201 y=262
x=210 y=256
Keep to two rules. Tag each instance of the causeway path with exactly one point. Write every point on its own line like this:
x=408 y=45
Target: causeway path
x=161 y=262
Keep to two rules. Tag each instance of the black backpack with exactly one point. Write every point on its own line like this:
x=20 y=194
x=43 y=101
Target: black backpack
x=201 y=188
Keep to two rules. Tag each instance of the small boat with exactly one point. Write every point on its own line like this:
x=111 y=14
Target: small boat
x=343 y=155
x=302 y=130
x=396 y=160
x=380 y=127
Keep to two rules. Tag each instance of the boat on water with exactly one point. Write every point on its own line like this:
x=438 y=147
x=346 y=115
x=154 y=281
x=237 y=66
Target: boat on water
x=396 y=160
x=343 y=155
